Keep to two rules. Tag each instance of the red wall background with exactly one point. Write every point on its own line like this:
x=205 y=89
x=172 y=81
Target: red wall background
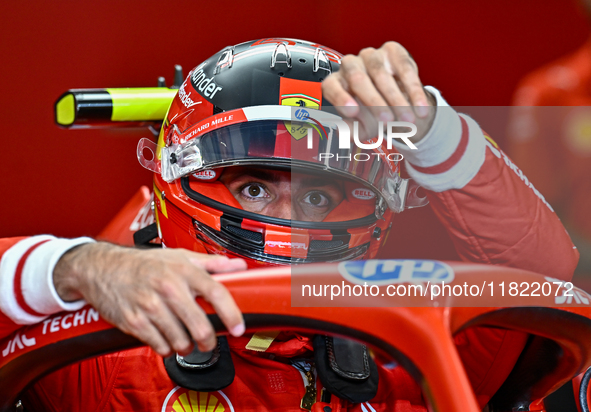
x=71 y=182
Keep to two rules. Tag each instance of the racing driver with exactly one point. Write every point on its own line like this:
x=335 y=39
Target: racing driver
x=234 y=183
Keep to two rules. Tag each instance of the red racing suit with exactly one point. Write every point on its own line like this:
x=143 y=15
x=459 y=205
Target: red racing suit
x=490 y=209
x=553 y=145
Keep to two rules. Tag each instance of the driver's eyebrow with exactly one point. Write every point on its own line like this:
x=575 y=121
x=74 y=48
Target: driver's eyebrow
x=271 y=177
x=321 y=182
x=261 y=175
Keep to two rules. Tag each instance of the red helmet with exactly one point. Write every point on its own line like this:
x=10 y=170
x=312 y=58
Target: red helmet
x=258 y=106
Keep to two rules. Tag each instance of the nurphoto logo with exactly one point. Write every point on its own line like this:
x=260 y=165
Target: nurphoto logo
x=389 y=131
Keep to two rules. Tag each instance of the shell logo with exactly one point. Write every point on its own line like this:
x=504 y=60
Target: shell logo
x=186 y=400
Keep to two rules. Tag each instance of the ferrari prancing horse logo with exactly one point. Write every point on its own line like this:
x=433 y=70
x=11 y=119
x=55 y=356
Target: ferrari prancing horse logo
x=301 y=100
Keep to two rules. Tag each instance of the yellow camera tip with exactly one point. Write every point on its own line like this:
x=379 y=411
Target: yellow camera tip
x=65 y=110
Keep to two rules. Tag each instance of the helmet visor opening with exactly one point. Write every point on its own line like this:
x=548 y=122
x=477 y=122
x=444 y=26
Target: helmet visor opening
x=288 y=194
x=273 y=137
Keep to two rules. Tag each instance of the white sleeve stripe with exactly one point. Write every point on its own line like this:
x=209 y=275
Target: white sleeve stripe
x=37 y=279
x=8 y=266
x=441 y=141
x=454 y=158
x=463 y=171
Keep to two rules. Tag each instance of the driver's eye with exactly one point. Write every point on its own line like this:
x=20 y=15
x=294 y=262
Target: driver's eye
x=316 y=199
x=254 y=191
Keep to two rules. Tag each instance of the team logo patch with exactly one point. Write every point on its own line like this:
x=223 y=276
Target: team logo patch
x=303 y=94
x=387 y=272
x=302 y=114
x=185 y=400
x=298 y=131
x=301 y=100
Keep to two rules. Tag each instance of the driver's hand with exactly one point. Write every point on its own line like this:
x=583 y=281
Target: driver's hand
x=386 y=80
x=150 y=294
